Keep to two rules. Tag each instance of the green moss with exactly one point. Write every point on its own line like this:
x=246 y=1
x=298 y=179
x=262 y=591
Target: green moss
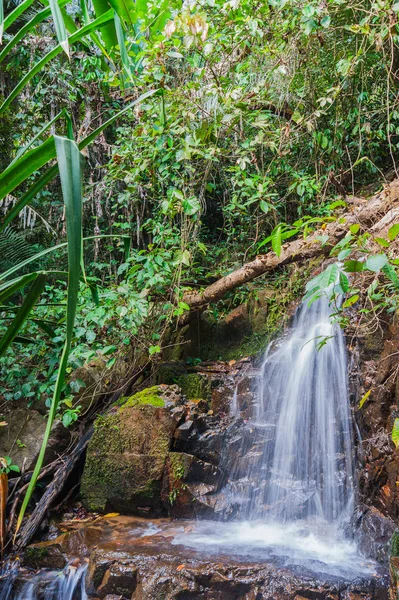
x=149 y=396
x=35 y=553
x=395 y=544
x=195 y=386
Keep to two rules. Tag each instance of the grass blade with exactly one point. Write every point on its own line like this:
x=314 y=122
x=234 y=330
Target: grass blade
x=14 y=14
x=30 y=300
x=71 y=172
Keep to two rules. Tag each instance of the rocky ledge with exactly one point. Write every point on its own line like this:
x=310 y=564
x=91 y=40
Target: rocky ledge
x=134 y=559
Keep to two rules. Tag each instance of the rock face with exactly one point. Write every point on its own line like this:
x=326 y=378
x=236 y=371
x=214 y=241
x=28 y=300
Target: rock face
x=127 y=454
x=376 y=370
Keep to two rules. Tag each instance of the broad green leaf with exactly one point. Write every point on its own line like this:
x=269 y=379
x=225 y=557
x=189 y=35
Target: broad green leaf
x=70 y=163
x=21 y=34
x=393 y=232
x=8 y=288
x=105 y=18
x=382 y=242
x=375 y=263
x=354 y=228
x=354 y=266
x=35 y=291
x=108 y=32
x=350 y=301
x=364 y=398
x=276 y=240
x=395 y=432
x=59 y=25
x=264 y=206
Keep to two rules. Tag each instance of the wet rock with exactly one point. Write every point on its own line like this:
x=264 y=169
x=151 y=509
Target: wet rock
x=195 y=385
x=187 y=484
x=45 y=555
x=119 y=580
x=22 y=437
x=374 y=533
x=127 y=454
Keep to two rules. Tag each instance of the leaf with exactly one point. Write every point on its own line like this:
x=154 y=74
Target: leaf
x=375 y=263
x=393 y=232
x=35 y=291
x=390 y=272
x=395 y=7
x=276 y=240
x=18 y=171
x=70 y=163
x=108 y=32
x=120 y=34
x=382 y=242
x=75 y=37
x=364 y=398
x=353 y=266
x=1 y=21
x=154 y=350
x=21 y=34
x=52 y=172
x=395 y=433
x=264 y=206
x=354 y=228
x=350 y=301
x=59 y=25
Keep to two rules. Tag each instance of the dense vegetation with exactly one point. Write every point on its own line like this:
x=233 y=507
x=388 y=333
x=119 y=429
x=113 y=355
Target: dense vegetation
x=210 y=131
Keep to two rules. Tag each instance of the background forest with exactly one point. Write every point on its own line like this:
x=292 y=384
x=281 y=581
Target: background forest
x=190 y=137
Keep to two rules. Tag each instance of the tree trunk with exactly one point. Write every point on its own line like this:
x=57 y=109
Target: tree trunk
x=368 y=214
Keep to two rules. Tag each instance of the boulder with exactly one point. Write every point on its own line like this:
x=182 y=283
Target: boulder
x=127 y=453
x=45 y=555
x=22 y=437
x=187 y=484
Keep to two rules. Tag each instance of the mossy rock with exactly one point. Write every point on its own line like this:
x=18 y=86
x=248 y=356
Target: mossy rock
x=151 y=396
x=45 y=555
x=127 y=453
x=195 y=386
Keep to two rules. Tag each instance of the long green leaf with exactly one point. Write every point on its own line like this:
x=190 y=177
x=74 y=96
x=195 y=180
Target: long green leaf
x=33 y=160
x=12 y=330
x=14 y=14
x=8 y=288
x=1 y=20
x=105 y=18
x=52 y=172
x=122 y=47
x=38 y=18
x=108 y=32
x=22 y=150
x=71 y=172
x=59 y=25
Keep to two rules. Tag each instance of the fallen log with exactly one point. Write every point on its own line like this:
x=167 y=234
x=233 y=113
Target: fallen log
x=30 y=526
x=367 y=215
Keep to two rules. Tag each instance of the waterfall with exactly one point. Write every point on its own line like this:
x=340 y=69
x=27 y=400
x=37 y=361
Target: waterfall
x=306 y=467
x=68 y=584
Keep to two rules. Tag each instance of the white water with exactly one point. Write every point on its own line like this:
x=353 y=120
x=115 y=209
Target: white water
x=50 y=585
x=295 y=497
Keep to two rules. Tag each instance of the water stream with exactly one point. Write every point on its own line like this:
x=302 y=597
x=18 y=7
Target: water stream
x=292 y=480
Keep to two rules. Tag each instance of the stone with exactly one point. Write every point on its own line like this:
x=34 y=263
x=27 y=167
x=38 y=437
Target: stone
x=45 y=555
x=195 y=386
x=22 y=437
x=187 y=483
x=127 y=453
x=374 y=533
x=119 y=580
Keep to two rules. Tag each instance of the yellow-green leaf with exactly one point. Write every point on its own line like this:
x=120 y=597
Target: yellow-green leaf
x=364 y=398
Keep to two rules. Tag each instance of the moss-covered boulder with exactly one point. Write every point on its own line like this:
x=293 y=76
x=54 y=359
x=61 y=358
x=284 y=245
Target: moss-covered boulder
x=127 y=453
x=195 y=386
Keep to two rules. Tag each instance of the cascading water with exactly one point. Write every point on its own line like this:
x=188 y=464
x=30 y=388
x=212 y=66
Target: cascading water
x=68 y=584
x=307 y=460
x=292 y=481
